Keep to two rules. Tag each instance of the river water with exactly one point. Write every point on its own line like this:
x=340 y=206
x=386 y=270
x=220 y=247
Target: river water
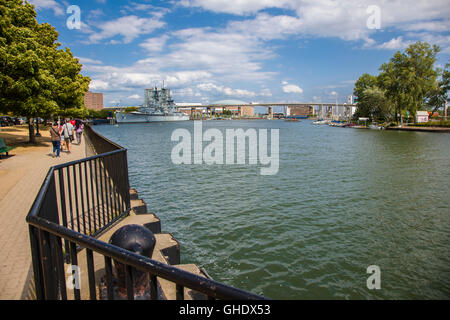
x=343 y=200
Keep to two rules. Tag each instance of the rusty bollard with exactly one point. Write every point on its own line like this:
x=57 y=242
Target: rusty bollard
x=140 y=240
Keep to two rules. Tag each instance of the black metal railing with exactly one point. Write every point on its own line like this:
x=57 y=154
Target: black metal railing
x=77 y=201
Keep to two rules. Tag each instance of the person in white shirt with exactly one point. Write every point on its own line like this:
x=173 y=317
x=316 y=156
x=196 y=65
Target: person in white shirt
x=67 y=132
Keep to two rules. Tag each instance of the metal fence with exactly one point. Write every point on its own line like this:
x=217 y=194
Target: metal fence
x=77 y=201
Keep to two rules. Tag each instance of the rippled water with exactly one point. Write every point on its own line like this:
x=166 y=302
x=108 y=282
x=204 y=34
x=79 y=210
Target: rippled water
x=343 y=199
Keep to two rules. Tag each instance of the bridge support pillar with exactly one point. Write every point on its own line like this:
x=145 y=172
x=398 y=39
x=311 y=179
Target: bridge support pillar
x=270 y=112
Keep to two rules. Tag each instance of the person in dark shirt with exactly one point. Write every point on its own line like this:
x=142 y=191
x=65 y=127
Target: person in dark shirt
x=56 y=139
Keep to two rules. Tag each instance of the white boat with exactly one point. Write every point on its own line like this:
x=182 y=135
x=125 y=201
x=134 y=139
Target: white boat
x=158 y=106
x=375 y=127
x=320 y=122
x=336 y=124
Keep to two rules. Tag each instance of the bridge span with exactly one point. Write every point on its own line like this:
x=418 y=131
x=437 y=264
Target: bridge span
x=321 y=109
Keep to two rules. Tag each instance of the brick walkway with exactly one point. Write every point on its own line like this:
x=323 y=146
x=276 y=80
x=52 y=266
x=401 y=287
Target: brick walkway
x=21 y=177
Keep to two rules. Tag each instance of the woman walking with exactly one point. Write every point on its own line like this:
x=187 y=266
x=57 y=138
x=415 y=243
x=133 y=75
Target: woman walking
x=56 y=139
x=79 y=131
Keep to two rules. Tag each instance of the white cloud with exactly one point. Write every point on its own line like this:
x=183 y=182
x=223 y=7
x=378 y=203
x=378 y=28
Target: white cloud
x=48 y=4
x=399 y=43
x=154 y=44
x=395 y=44
x=88 y=61
x=237 y=7
x=134 y=97
x=442 y=40
x=94 y=14
x=434 y=26
x=291 y=88
x=129 y=27
x=265 y=92
x=228 y=55
x=98 y=85
x=346 y=20
x=225 y=90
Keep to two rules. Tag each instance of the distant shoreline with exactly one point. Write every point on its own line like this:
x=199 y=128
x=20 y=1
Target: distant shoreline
x=423 y=129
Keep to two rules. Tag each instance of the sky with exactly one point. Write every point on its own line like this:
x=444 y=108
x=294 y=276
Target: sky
x=248 y=50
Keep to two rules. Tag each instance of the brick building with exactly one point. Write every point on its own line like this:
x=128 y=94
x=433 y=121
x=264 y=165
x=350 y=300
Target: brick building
x=93 y=100
x=298 y=111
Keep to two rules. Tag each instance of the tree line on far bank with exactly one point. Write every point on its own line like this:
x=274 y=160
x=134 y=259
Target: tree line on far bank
x=37 y=79
x=407 y=83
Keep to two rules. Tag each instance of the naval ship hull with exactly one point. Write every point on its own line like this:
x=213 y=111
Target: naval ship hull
x=139 y=117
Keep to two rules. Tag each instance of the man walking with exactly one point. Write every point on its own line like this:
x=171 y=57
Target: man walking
x=68 y=134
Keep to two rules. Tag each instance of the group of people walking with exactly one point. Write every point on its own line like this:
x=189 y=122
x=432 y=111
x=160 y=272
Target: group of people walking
x=64 y=134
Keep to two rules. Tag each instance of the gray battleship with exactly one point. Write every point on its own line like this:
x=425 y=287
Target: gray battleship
x=158 y=106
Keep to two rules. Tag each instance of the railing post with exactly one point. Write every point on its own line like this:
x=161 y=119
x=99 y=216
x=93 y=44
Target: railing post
x=48 y=266
x=60 y=267
x=62 y=194
x=74 y=260
x=36 y=260
x=127 y=180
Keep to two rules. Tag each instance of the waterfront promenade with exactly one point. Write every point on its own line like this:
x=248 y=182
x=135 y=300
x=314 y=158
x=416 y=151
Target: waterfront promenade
x=21 y=176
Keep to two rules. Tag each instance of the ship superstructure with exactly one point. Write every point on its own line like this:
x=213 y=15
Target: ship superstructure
x=158 y=106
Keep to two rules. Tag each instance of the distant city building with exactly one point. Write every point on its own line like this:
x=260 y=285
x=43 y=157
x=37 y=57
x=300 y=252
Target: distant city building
x=93 y=101
x=236 y=107
x=297 y=111
x=191 y=110
x=247 y=111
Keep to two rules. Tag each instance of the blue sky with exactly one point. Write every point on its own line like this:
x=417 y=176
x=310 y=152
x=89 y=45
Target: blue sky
x=249 y=50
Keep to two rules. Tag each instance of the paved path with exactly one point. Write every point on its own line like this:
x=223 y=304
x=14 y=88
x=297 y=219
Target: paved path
x=21 y=177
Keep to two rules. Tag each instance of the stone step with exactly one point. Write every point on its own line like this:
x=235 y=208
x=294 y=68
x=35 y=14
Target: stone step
x=168 y=288
x=139 y=206
x=169 y=248
x=134 y=194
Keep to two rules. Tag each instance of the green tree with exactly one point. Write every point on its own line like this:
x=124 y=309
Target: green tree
x=71 y=85
x=101 y=114
x=36 y=78
x=364 y=82
x=374 y=104
x=437 y=97
x=409 y=77
x=131 y=109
